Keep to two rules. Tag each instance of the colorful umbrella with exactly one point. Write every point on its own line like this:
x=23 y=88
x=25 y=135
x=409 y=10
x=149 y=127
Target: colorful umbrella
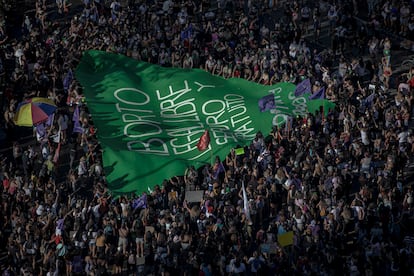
x=34 y=111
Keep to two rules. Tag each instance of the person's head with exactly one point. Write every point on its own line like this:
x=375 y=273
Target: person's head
x=217 y=159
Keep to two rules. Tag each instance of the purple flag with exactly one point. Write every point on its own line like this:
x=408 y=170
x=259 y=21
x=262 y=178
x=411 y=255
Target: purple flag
x=60 y=224
x=187 y=33
x=67 y=80
x=140 y=202
x=320 y=94
x=219 y=170
x=369 y=100
x=76 y=114
x=77 y=128
x=40 y=131
x=50 y=120
x=267 y=103
x=303 y=87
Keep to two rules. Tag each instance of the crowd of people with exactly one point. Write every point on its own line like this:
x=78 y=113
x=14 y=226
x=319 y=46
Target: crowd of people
x=334 y=179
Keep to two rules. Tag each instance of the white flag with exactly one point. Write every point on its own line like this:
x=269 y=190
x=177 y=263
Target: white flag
x=246 y=203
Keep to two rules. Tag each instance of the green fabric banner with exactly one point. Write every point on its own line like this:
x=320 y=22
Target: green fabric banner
x=150 y=118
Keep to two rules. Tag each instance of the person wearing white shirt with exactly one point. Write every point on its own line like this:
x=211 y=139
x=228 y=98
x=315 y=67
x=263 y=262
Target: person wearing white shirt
x=237 y=266
x=255 y=262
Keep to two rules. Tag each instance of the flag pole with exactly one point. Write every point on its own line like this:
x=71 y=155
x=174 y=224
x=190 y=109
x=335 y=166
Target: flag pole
x=288 y=126
x=323 y=114
x=211 y=151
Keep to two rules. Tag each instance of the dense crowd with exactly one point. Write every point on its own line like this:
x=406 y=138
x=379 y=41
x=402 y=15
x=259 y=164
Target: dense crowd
x=335 y=179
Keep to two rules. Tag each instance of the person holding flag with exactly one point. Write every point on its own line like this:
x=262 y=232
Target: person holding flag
x=218 y=169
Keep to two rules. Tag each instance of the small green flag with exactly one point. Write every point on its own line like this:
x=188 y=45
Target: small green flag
x=239 y=151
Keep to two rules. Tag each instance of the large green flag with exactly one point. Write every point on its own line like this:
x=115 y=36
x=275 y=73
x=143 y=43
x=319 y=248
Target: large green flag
x=150 y=118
